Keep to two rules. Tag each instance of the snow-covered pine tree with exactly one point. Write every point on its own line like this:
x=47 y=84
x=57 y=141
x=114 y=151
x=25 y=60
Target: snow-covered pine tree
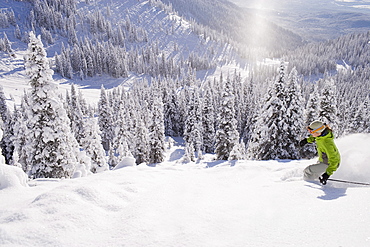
x=131 y=113
x=21 y=150
x=294 y=115
x=91 y=143
x=249 y=110
x=360 y=119
x=87 y=110
x=156 y=128
x=227 y=135
x=237 y=86
x=272 y=125
x=238 y=152
x=182 y=100
x=193 y=125
x=328 y=102
x=171 y=111
x=17 y=32
x=260 y=131
x=2 y=158
x=312 y=107
x=121 y=133
x=208 y=119
x=52 y=144
x=138 y=122
x=69 y=70
x=105 y=119
x=142 y=141
x=7 y=127
x=76 y=116
x=311 y=114
x=6 y=45
x=189 y=155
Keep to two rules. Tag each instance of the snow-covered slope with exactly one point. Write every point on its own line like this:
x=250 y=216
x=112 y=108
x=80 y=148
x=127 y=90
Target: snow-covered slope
x=210 y=203
x=149 y=28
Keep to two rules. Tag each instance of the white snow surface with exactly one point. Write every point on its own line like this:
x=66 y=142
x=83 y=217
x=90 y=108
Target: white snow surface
x=206 y=203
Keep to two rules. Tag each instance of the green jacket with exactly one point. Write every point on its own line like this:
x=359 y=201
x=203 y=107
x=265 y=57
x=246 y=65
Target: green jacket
x=328 y=152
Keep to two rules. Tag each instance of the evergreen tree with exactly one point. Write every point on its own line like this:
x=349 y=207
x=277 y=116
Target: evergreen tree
x=105 y=119
x=328 y=102
x=250 y=111
x=131 y=114
x=227 y=135
x=171 y=111
x=21 y=150
x=53 y=147
x=362 y=118
x=121 y=134
x=311 y=114
x=76 y=116
x=268 y=140
x=294 y=115
x=6 y=143
x=208 y=119
x=142 y=141
x=312 y=107
x=156 y=129
x=7 y=45
x=238 y=152
x=91 y=143
x=189 y=155
x=193 y=124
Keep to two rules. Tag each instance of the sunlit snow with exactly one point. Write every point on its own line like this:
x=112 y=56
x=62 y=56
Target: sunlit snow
x=206 y=203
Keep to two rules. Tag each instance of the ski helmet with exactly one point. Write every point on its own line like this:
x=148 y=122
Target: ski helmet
x=317 y=126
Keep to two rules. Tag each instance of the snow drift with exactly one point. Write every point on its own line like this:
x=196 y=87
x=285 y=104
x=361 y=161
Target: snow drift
x=355 y=157
x=11 y=176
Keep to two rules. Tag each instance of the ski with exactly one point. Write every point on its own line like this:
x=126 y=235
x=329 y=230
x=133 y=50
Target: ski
x=348 y=182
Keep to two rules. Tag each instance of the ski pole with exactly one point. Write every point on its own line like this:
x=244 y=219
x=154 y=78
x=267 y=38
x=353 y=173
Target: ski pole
x=348 y=182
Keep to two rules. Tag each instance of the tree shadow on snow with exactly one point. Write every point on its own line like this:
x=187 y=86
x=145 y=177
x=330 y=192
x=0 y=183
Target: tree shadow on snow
x=176 y=154
x=215 y=163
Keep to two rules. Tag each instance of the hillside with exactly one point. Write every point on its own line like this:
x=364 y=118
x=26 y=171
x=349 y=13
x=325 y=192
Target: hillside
x=201 y=36
x=210 y=203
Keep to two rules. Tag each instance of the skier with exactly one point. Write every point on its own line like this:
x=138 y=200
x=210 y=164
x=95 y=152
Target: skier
x=329 y=157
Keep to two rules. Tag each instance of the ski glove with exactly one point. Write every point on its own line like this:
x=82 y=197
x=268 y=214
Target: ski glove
x=303 y=142
x=324 y=178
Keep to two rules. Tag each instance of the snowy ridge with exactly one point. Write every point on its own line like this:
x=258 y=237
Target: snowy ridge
x=211 y=203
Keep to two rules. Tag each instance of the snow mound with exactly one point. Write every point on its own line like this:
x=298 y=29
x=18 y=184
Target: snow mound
x=355 y=157
x=12 y=176
x=126 y=162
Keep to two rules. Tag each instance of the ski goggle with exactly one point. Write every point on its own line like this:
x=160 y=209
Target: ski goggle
x=315 y=130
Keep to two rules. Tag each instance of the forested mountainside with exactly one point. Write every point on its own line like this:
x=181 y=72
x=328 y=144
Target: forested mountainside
x=316 y=58
x=131 y=35
x=199 y=76
x=129 y=29
x=243 y=28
